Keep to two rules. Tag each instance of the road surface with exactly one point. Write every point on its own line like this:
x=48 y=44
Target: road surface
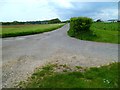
x=21 y=55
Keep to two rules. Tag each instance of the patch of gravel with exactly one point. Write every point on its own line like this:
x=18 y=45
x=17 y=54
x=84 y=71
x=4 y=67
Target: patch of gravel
x=72 y=60
x=15 y=71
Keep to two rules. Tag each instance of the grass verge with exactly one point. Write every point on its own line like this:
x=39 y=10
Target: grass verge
x=100 y=32
x=21 y=30
x=94 y=77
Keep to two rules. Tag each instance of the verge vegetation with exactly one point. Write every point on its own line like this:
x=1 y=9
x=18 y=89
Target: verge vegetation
x=21 y=30
x=97 y=31
x=94 y=77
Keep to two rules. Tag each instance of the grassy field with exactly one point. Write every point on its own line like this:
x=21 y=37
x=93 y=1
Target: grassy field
x=101 y=32
x=20 y=30
x=94 y=77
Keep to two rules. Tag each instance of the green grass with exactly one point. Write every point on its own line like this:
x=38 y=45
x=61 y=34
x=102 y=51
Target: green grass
x=94 y=77
x=100 y=32
x=21 y=30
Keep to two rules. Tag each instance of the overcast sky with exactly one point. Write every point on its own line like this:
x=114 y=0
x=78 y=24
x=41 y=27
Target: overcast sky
x=32 y=10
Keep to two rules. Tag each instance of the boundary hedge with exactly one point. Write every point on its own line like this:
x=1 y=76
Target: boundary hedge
x=80 y=24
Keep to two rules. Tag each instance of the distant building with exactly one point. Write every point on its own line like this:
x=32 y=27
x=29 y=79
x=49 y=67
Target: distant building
x=113 y=20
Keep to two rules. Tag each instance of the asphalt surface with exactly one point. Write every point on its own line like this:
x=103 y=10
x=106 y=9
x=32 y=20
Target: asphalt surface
x=21 y=55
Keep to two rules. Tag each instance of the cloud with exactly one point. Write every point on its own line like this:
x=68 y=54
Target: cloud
x=103 y=10
x=62 y=3
x=25 y=10
x=107 y=14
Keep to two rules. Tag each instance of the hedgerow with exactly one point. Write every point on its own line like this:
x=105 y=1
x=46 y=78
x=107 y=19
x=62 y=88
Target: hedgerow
x=79 y=24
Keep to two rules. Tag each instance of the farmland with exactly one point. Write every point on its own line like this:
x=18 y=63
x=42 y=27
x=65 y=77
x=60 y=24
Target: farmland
x=20 y=30
x=101 y=32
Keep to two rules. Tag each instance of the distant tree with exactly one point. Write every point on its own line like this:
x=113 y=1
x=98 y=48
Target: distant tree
x=99 y=20
x=54 y=21
x=67 y=21
x=32 y=22
x=6 y=23
x=15 y=22
x=118 y=20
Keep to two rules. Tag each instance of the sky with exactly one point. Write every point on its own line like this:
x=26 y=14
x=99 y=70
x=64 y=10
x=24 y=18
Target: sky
x=35 y=10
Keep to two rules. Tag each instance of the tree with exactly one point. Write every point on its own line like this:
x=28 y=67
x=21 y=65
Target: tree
x=67 y=21
x=99 y=20
x=15 y=22
x=54 y=21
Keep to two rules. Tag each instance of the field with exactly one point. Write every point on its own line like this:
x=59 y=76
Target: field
x=94 y=77
x=20 y=30
x=101 y=32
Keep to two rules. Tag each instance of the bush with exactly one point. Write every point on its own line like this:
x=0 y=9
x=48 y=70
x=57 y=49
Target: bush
x=80 y=24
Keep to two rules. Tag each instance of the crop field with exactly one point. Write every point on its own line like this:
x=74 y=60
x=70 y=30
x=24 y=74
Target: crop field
x=101 y=32
x=20 y=30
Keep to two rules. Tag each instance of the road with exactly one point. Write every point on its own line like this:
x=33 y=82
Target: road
x=21 y=55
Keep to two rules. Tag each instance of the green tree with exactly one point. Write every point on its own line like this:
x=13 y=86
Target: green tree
x=54 y=21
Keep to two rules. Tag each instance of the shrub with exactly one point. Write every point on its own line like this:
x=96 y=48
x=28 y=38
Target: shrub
x=80 y=24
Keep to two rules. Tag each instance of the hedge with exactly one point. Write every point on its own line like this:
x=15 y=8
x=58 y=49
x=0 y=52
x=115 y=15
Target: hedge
x=79 y=24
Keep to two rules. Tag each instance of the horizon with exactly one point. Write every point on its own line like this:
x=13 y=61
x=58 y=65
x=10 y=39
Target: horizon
x=39 y=10
x=55 y=18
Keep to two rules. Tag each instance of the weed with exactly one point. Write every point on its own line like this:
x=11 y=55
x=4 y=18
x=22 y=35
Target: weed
x=94 y=77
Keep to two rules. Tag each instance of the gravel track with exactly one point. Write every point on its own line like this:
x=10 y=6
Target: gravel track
x=21 y=55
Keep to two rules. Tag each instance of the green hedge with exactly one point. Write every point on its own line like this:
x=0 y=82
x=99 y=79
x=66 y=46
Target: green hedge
x=78 y=24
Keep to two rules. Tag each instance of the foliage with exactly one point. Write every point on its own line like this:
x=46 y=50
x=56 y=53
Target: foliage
x=94 y=77
x=99 y=20
x=32 y=22
x=54 y=21
x=80 y=24
x=100 y=32
x=67 y=21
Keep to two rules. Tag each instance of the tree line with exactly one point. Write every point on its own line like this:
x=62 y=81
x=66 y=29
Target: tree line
x=52 y=21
